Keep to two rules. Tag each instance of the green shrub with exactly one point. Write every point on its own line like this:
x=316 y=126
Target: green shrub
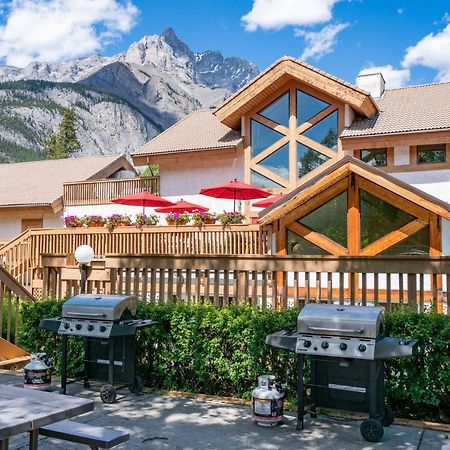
x=221 y=351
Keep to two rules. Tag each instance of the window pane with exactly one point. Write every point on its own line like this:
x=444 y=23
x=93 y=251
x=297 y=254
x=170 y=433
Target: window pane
x=330 y=219
x=262 y=182
x=431 y=154
x=325 y=132
x=308 y=106
x=375 y=156
x=296 y=245
x=417 y=244
x=278 y=162
x=308 y=159
x=379 y=218
x=278 y=111
x=262 y=137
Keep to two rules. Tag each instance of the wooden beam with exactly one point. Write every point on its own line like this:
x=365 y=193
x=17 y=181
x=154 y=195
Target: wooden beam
x=317 y=118
x=316 y=146
x=293 y=176
x=393 y=238
x=317 y=239
x=269 y=150
x=270 y=124
x=353 y=216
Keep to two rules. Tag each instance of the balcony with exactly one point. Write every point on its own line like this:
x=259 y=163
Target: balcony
x=100 y=192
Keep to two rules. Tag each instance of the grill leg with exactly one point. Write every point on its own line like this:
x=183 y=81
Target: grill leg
x=300 y=397
x=86 y=364
x=111 y=362
x=373 y=413
x=64 y=365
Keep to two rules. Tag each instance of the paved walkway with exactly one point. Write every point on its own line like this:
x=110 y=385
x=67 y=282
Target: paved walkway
x=170 y=423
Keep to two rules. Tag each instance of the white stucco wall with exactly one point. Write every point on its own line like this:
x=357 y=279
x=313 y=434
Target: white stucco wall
x=11 y=222
x=436 y=183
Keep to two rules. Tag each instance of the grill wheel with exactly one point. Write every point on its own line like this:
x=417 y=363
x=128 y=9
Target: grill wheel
x=137 y=386
x=372 y=430
x=388 y=418
x=108 y=393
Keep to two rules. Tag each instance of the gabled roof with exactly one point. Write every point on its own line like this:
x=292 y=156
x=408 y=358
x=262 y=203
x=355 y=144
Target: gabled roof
x=341 y=169
x=199 y=130
x=282 y=71
x=406 y=110
x=40 y=183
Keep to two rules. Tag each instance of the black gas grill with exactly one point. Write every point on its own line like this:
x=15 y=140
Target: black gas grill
x=108 y=324
x=347 y=350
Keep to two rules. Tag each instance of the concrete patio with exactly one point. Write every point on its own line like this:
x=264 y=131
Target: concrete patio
x=174 y=423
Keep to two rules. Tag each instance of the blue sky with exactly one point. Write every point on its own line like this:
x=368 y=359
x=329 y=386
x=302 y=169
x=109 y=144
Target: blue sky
x=408 y=40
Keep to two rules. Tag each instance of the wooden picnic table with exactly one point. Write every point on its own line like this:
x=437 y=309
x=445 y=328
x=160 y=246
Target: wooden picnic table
x=25 y=410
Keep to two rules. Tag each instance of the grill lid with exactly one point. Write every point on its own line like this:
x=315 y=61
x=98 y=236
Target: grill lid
x=100 y=307
x=339 y=320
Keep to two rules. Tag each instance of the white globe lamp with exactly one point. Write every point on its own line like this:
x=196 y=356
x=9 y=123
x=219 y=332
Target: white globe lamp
x=84 y=254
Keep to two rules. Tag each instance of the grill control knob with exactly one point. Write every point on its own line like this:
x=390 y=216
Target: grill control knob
x=78 y=326
x=102 y=328
x=362 y=348
x=67 y=326
x=90 y=327
x=307 y=343
x=325 y=344
x=343 y=346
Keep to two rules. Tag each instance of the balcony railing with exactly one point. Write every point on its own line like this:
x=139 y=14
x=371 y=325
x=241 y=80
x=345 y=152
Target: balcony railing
x=99 y=192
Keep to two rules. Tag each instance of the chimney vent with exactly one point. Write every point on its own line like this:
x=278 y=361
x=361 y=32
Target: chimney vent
x=372 y=82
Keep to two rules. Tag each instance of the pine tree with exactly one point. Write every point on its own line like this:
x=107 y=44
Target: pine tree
x=65 y=142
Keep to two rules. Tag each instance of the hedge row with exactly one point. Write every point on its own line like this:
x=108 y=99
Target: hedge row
x=222 y=352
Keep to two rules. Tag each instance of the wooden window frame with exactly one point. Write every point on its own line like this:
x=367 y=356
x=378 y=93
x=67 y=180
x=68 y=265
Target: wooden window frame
x=375 y=150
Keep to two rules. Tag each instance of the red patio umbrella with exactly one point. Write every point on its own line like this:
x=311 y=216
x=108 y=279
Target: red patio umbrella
x=143 y=199
x=236 y=190
x=181 y=207
x=268 y=201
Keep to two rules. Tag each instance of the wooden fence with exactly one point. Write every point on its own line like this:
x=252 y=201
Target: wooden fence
x=99 y=192
x=267 y=281
x=22 y=256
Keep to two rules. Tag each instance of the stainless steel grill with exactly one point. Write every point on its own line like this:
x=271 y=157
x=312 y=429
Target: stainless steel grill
x=347 y=349
x=108 y=324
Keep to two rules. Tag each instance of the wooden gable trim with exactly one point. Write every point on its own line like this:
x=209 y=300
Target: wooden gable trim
x=280 y=73
x=317 y=239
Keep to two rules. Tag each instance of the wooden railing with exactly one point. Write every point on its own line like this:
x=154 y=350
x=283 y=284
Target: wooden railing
x=267 y=281
x=98 y=192
x=22 y=256
x=11 y=294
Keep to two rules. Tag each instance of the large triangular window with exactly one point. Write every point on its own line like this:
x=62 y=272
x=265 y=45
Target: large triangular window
x=330 y=219
x=308 y=106
x=278 y=111
x=308 y=159
x=278 y=162
x=379 y=218
x=262 y=137
x=325 y=132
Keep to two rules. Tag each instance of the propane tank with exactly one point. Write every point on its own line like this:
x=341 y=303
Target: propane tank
x=38 y=372
x=268 y=399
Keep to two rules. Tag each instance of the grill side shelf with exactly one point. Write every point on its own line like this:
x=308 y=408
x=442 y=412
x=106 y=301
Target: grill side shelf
x=389 y=347
x=285 y=339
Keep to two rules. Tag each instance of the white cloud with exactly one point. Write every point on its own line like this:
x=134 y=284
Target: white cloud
x=431 y=51
x=319 y=43
x=393 y=77
x=57 y=30
x=276 y=14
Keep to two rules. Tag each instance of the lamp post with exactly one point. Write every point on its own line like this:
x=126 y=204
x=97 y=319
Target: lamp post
x=84 y=254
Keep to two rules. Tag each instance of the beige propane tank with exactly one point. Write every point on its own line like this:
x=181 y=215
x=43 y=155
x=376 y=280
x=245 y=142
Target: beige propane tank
x=268 y=399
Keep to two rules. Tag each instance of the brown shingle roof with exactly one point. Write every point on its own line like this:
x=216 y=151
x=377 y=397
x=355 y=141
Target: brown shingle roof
x=199 y=130
x=41 y=182
x=406 y=110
